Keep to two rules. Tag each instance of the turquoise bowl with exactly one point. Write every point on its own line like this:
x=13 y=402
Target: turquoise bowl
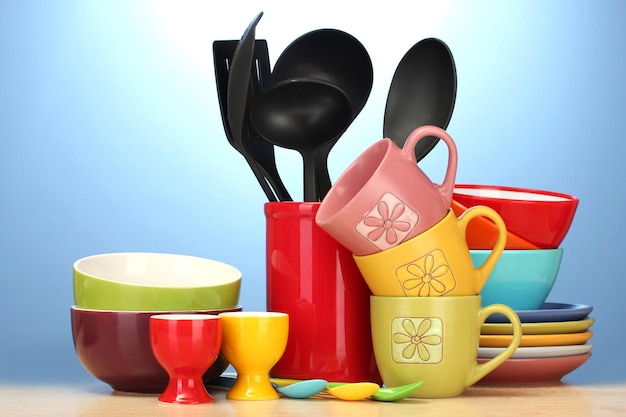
x=521 y=279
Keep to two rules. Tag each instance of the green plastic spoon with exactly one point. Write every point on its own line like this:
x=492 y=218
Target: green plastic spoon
x=396 y=393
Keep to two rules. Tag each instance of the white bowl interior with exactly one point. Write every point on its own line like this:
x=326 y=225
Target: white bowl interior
x=508 y=194
x=157 y=269
x=155 y=312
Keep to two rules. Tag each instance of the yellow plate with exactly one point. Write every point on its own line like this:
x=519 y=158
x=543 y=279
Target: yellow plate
x=554 y=327
x=491 y=340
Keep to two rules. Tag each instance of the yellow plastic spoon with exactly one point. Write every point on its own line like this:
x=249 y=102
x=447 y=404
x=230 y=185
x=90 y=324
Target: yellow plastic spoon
x=353 y=391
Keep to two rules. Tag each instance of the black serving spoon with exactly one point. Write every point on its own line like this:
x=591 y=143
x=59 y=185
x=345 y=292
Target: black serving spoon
x=422 y=92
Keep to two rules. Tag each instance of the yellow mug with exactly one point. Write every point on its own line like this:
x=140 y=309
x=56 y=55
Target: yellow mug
x=435 y=340
x=434 y=263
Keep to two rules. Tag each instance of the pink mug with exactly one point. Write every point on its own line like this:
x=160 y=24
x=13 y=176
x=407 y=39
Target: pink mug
x=383 y=198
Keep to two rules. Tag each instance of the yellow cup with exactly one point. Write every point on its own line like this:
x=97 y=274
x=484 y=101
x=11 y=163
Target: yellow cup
x=436 y=262
x=253 y=342
x=435 y=340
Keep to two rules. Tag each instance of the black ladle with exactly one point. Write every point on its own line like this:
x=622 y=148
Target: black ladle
x=302 y=115
x=422 y=92
x=335 y=57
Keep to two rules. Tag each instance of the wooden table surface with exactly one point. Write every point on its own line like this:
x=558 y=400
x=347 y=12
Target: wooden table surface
x=100 y=401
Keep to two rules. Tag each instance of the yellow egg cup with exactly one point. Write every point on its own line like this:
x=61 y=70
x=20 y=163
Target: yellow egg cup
x=253 y=342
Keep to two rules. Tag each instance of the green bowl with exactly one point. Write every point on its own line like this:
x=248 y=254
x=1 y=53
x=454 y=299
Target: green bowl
x=139 y=281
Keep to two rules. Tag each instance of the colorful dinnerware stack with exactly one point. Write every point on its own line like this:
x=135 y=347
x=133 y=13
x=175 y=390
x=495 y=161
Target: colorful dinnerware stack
x=555 y=342
x=555 y=335
x=537 y=221
x=411 y=250
x=117 y=294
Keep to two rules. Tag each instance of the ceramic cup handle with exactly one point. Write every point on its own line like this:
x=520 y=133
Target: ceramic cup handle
x=480 y=370
x=485 y=269
x=447 y=187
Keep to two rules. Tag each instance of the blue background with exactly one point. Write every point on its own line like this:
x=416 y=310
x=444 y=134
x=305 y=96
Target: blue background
x=111 y=140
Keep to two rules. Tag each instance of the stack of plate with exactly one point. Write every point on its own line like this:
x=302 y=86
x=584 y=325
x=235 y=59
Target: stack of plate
x=555 y=342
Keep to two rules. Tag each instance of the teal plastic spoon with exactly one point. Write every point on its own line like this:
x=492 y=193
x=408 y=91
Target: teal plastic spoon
x=302 y=389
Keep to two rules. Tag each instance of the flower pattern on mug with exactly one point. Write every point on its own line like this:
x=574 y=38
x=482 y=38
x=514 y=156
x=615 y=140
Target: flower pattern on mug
x=388 y=222
x=427 y=276
x=417 y=339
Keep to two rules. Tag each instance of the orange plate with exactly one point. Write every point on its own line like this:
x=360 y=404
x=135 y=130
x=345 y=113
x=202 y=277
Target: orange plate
x=490 y=340
x=482 y=233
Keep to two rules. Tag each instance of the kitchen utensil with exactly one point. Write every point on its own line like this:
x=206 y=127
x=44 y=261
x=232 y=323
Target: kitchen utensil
x=353 y=391
x=336 y=57
x=303 y=115
x=357 y=390
x=422 y=92
x=254 y=148
x=236 y=97
x=258 y=153
x=389 y=394
x=301 y=389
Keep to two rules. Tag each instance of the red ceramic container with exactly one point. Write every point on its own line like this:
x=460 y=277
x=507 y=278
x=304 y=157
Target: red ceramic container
x=314 y=279
x=114 y=346
x=539 y=217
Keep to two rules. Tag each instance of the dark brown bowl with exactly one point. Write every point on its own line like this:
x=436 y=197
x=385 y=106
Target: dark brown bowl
x=114 y=346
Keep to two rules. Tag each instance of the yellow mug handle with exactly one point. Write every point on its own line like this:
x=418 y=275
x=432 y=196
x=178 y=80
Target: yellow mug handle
x=483 y=271
x=480 y=370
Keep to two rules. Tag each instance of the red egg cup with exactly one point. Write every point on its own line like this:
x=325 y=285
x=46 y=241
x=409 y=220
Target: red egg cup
x=185 y=345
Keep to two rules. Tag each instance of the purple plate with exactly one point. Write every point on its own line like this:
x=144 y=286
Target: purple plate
x=549 y=312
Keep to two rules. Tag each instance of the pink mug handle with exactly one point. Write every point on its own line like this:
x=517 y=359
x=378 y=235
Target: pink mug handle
x=447 y=187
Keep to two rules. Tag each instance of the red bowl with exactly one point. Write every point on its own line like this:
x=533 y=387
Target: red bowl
x=539 y=217
x=114 y=346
